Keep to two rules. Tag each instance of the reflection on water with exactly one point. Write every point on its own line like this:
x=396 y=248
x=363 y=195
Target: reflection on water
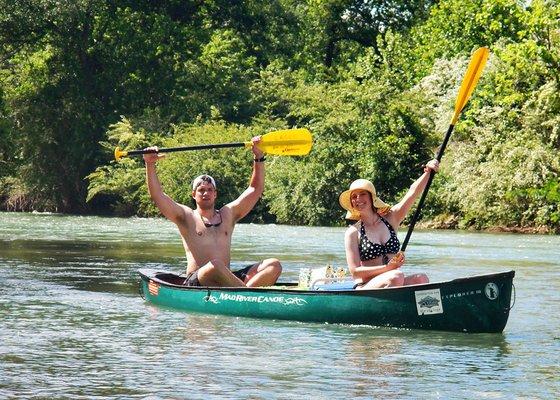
x=73 y=325
x=376 y=355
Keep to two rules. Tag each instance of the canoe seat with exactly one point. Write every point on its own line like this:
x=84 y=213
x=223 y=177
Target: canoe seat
x=171 y=278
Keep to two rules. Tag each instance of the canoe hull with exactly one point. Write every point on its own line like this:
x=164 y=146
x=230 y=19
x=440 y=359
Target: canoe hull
x=475 y=304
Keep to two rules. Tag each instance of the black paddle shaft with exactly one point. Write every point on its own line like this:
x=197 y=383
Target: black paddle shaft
x=184 y=148
x=416 y=215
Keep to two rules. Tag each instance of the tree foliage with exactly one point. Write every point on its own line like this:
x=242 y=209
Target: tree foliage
x=375 y=81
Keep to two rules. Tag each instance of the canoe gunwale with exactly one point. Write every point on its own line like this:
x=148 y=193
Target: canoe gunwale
x=151 y=274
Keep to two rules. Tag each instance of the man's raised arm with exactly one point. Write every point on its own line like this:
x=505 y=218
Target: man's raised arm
x=167 y=206
x=241 y=206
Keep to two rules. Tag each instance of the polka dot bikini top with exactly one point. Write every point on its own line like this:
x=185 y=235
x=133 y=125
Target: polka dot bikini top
x=369 y=250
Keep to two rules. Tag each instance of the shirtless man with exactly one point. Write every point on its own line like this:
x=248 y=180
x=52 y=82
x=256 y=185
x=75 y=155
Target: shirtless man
x=206 y=232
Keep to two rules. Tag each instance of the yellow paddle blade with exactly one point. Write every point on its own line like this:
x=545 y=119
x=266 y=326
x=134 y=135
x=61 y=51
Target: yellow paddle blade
x=288 y=142
x=478 y=61
x=120 y=153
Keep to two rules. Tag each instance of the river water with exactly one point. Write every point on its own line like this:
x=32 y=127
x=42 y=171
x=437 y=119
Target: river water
x=72 y=324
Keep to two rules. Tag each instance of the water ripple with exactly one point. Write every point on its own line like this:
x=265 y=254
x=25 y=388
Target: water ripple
x=73 y=325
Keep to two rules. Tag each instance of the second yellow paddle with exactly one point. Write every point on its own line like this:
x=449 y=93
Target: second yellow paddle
x=476 y=65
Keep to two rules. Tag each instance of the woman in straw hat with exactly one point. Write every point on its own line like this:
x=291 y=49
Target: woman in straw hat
x=372 y=246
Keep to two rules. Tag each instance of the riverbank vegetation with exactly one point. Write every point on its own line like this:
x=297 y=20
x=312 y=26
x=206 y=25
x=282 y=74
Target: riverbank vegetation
x=374 y=81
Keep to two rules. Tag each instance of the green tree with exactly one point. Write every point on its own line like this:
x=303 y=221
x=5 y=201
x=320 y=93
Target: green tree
x=503 y=165
x=339 y=26
x=72 y=68
x=453 y=28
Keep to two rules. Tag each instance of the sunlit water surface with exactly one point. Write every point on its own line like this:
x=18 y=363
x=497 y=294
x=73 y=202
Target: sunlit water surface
x=72 y=324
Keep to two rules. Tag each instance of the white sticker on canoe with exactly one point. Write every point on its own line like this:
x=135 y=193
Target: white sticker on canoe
x=491 y=291
x=428 y=302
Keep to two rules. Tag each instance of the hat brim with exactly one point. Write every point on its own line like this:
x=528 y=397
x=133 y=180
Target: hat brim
x=352 y=213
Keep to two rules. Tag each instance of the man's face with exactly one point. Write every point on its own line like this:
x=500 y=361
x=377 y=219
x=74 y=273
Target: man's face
x=205 y=195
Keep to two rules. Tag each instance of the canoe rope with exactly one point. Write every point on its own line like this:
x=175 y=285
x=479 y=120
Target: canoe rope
x=513 y=292
x=141 y=291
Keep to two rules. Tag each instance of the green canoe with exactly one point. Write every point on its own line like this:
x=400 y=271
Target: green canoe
x=475 y=304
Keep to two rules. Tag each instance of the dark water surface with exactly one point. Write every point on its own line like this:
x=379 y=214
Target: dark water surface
x=72 y=324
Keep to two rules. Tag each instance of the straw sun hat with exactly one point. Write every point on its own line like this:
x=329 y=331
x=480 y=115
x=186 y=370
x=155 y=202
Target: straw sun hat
x=361 y=184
